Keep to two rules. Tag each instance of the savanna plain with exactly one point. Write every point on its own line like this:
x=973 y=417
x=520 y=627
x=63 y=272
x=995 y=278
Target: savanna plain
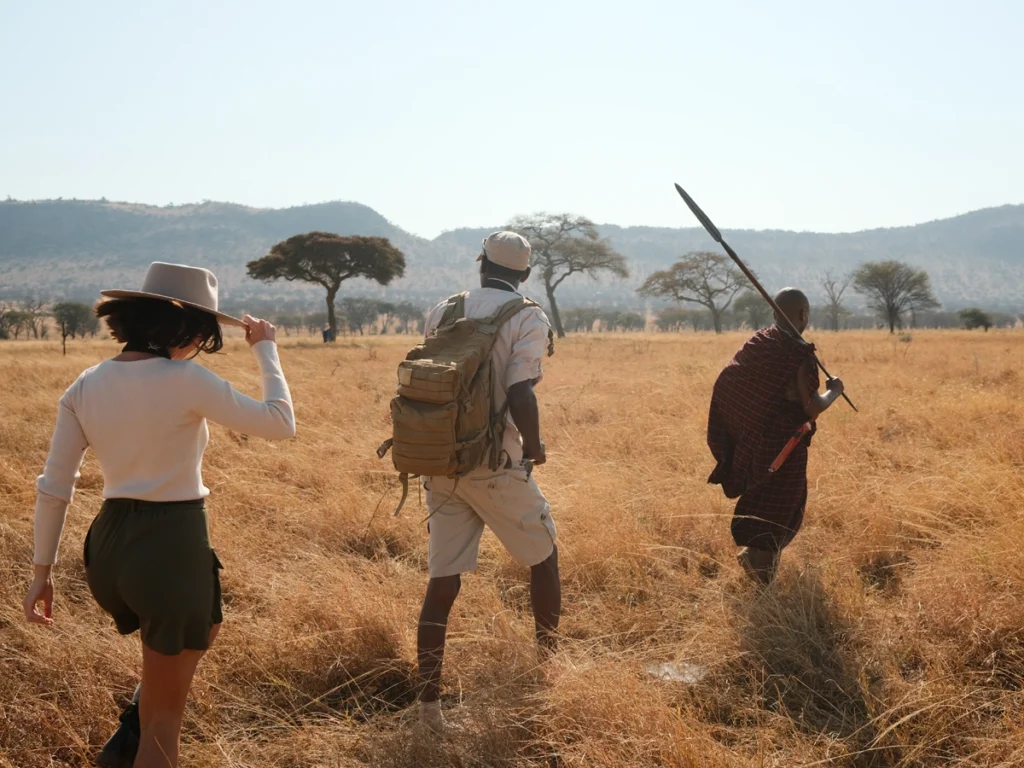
x=894 y=636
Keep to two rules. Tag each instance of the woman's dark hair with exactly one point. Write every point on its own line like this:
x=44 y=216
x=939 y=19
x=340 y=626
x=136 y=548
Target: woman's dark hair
x=164 y=323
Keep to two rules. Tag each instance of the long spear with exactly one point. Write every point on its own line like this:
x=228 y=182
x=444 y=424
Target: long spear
x=779 y=314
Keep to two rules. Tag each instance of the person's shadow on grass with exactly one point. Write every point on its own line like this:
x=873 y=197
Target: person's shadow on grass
x=804 y=664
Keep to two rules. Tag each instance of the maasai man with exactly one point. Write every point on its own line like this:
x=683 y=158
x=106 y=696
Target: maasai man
x=764 y=395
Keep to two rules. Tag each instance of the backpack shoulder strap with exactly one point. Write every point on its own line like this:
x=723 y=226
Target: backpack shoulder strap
x=508 y=310
x=456 y=310
x=512 y=308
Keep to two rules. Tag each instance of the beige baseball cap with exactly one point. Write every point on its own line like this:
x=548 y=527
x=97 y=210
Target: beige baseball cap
x=507 y=249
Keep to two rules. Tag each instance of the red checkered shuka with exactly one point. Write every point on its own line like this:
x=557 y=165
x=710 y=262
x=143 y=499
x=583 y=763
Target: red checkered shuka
x=751 y=418
x=769 y=515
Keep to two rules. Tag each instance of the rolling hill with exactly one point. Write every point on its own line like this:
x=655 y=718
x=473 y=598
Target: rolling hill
x=72 y=249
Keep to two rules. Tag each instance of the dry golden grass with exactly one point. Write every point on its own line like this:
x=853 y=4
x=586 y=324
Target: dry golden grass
x=895 y=636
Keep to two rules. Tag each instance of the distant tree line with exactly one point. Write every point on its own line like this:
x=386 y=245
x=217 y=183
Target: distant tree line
x=753 y=315
x=675 y=319
x=708 y=292
x=24 y=319
x=712 y=295
x=36 y=319
x=355 y=315
x=896 y=294
x=587 y=320
x=31 y=319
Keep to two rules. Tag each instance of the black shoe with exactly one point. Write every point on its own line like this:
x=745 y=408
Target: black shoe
x=121 y=748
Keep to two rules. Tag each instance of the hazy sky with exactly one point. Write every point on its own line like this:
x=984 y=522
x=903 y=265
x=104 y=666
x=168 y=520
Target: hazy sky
x=820 y=116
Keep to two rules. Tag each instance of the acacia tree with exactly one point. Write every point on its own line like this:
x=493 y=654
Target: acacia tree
x=893 y=288
x=360 y=312
x=622 y=321
x=563 y=245
x=702 y=277
x=407 y=314
x=972 y=318
x=315 y=322
x=835 y=287
x=16 y=319
x=581 y=319
x=75 y=320
x=386 y=312
x=327 y=259
x=752 y=308
x=675 y=318
x=288 y=322
x=17 y=322
x=26 y=317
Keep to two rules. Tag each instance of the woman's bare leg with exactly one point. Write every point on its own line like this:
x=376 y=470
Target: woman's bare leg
x=166 y=681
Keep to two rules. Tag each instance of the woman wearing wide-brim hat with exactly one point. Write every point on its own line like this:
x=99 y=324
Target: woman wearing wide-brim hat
x=148 y=558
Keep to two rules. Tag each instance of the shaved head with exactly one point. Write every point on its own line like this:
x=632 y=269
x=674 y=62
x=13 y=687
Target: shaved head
x=793 y=302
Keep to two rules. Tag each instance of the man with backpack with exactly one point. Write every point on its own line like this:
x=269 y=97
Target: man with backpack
x=476 y=457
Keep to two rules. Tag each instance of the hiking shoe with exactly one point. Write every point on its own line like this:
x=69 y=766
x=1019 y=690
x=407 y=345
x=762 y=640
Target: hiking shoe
x=121 y=748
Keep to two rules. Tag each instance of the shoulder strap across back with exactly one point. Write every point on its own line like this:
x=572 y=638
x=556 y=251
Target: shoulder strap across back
x=508 y=310
x=456 y=310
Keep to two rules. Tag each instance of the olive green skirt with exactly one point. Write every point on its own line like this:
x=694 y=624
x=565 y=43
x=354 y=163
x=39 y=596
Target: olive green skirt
x=150 y=566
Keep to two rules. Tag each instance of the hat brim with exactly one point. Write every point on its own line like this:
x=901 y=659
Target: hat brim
x=221 y=317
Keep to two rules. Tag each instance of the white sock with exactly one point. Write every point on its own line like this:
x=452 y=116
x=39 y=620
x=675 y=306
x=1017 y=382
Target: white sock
x=430 y=715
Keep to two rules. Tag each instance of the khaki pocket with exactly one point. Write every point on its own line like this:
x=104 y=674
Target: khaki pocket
x=502 y=481
x=513 y=494
x=541 y=519
x=85 y=546
x=217 y=614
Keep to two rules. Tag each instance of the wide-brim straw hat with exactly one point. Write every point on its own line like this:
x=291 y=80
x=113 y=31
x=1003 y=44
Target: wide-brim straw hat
x=189 y=286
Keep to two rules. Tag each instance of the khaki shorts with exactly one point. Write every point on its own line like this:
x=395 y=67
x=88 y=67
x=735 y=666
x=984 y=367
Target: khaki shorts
x=508 y=502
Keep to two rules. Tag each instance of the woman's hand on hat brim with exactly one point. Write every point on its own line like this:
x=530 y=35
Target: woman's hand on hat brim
x=257 y=330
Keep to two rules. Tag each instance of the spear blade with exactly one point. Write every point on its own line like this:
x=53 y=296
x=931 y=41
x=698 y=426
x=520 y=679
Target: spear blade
x=701 y=216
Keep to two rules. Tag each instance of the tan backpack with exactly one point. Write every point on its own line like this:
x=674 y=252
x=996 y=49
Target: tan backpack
x=443 y=420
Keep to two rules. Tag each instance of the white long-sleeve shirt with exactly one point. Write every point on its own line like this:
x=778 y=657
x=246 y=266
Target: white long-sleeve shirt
x=146 y=422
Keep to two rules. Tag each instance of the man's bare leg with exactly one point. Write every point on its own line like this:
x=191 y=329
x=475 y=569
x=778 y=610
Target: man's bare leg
x=546 y=598
x=759 y=564
x=430 y=637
